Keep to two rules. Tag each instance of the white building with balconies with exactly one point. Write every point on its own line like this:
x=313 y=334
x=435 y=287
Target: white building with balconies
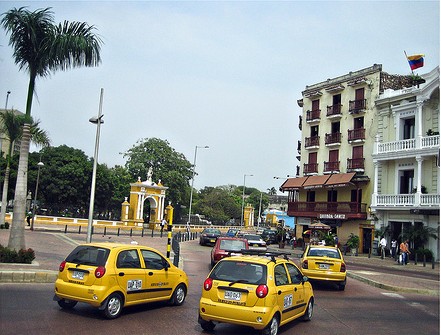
x=406 y=190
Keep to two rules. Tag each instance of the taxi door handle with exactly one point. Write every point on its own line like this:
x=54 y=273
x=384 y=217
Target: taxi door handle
x=150 y=273
x=295 y=289
x=121 y=274
x=279 y=292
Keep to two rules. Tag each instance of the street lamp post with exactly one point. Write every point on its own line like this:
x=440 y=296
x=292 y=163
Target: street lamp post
x=192 y=179
x=40 y=164
x=96 y=120
x=243 y=197
x=7 y=98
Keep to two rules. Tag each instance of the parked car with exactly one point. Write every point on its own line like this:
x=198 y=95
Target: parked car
x=255 y=241
x=227 y=246
x=111 y=276
x=324 y=263
x=269 y=236
x=258 y=289
x=209 y=236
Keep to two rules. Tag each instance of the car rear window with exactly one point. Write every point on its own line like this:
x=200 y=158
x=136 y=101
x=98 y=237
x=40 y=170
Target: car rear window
x=88 y=255
x=323 y=252
x=235 y=245
x=241 y=272
x=252 y=237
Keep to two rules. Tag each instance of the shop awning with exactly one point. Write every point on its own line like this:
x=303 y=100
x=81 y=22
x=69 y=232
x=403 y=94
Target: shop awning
x=339 y=179
x=315 y=181
x=293 y=183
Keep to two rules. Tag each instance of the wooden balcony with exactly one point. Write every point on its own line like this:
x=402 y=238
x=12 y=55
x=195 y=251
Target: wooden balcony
x=328 y=210
x=355 y=165
x=312 y=142
x=333 y=139
x=309 y=168
x=313 y=115
x=356 y=135
x=331 y=167
x=357 y=106
x=334 y=111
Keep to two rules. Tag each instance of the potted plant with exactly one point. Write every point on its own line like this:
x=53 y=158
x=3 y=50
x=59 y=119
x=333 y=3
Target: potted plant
x=353 y=243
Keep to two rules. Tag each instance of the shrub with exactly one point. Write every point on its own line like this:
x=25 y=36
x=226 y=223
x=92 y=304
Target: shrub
x=421 y=252
x=11 y=256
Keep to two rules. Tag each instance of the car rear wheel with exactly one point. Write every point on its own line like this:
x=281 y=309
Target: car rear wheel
x=67 y=304
x=206 y=325
x=342 y=285
x=272 y=328
x=309 y=311
x=113 y=306
x=178 y=296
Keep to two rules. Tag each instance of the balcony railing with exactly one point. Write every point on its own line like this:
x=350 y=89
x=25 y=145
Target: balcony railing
x=426 y=142
x=355 y=164
x=356 y=134
x=328 y=210
x=333 y=138
x=313 y=141
x=357 y=106
x=334 y=110
x=310 y=168
x=331 y=166
x=413 y=200
x=299 y=146
x=313 y=115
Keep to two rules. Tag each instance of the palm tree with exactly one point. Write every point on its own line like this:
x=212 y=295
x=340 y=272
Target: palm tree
x=42 y=47
x=272 y=191
x=12 y=126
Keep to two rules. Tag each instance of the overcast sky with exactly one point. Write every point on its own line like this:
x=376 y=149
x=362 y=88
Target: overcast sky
x=223 y=74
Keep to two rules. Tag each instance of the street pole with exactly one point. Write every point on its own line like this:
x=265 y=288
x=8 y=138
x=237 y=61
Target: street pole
x=243 y=198
x=7 y=98
x=40 y=164
x=97 y=120
x=192 y=180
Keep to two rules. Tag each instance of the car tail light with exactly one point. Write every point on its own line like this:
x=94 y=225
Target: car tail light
x=62 y=266
x=100 y=271
x=343 y=267
x=262 y=291
x=208 y=283
x=305 y=264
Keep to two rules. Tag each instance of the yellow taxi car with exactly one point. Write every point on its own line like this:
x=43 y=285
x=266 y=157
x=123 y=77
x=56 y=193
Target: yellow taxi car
x=110 y=276
x=258 y=289
x=324 y=263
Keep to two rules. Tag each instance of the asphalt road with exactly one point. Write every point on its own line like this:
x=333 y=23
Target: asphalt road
x=360 y=309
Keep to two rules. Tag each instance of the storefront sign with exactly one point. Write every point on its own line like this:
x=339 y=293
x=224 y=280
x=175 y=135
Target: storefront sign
x=332 y=216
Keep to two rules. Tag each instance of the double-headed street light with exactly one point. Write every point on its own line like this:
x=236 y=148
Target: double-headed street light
x=96 y=120
x=40 y=164
x=192 y=179
x=243 y=197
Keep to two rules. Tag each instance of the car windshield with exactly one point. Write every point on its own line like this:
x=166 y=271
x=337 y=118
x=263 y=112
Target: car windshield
x=88 y=255
x=212 y=231
x=239 y=272
x=323 y=252
x=252 y=237
x=234 y=245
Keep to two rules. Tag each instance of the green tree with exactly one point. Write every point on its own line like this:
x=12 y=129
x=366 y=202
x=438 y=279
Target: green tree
x=272 y=191
x=41 y=47
x=12 y=127
x=168 y=165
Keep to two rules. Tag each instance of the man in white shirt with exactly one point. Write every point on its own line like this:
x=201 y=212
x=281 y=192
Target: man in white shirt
x=383 y=244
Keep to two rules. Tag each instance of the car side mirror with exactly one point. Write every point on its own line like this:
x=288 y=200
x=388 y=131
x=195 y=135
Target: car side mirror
x=305 y=279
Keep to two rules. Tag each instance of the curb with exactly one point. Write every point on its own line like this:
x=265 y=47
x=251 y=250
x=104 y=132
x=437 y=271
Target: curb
x=23 y=276
x=393 y=288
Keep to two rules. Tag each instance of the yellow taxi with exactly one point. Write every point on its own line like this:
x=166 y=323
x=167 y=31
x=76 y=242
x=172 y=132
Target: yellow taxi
x=258 y=289
x=324 y=263
x=111 y=276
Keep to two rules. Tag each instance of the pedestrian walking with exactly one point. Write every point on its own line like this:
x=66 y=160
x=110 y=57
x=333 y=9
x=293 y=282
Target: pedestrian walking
x=383 y=244
x=404 y=249
x=163 y=223
x=393 y=247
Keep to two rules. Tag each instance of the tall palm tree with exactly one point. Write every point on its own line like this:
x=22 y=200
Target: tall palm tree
x=12 y=127
x=41 y=47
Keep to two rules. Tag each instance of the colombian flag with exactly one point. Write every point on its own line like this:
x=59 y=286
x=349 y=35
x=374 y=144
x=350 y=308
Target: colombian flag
x=415 y=61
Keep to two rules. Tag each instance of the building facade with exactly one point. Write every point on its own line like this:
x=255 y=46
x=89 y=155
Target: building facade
x=406 y=191
x=340 y=126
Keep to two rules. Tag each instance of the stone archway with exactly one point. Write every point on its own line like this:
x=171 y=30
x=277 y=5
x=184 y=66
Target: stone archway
x=141 y=191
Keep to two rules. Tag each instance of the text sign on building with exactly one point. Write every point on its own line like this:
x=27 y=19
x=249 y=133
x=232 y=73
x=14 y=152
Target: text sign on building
x=333 y=216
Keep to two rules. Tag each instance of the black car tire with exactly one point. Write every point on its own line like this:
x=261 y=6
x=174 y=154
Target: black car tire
x=113 y=306
x=342 y=285
x=272 y=328
x=179 y=295
x=67 y=304
x=206 y=325
x=309 y=310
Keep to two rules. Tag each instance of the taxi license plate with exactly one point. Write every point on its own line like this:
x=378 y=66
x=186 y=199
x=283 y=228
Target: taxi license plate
x=232 y=295
x=78 y=275
x=324 y=266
